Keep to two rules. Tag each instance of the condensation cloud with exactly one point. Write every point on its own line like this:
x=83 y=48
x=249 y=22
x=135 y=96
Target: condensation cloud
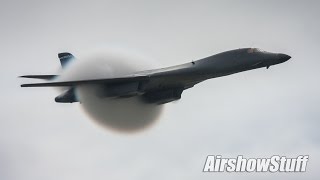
x=121 y=114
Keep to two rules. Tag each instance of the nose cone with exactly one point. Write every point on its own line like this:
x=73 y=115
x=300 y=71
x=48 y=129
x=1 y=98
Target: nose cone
x=283 y=57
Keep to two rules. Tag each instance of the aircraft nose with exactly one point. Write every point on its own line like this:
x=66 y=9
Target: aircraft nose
x=283 y=57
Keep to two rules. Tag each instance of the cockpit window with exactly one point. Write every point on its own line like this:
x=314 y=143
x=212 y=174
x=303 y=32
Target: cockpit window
x=252 y=50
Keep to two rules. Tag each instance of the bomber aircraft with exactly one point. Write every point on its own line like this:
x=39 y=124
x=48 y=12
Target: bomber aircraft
x=164 y=85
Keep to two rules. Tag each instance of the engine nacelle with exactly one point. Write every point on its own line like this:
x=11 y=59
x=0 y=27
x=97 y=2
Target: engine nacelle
x=119 y=90
x=163 y=96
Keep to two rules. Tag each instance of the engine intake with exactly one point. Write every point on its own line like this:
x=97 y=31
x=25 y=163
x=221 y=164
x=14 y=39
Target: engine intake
x=163 y=96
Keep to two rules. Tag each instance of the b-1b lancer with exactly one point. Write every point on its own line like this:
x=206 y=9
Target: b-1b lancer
x=164 y=85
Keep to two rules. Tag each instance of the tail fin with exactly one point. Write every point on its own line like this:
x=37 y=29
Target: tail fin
x=65 y=58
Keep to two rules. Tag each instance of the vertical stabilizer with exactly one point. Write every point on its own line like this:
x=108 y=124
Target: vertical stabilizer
x=65 y=58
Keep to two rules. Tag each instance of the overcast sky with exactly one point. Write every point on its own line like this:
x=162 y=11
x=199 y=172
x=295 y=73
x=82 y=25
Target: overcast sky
x=259 y=113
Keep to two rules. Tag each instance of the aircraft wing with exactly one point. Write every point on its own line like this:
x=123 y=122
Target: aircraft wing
x=155 y=86
x=164 y=74
x=123 y=79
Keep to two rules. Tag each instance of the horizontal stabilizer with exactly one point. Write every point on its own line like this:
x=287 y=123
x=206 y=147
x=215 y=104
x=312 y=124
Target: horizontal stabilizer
x=46 y=77
x=89 y=81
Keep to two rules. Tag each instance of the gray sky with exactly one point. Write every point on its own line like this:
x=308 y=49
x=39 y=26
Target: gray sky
x=258 y=113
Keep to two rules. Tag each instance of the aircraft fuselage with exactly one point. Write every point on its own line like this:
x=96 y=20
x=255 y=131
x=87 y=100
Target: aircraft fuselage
x=218 y=65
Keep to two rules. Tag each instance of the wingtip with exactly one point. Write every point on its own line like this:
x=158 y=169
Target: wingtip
x=29 y=85
x=26 y=85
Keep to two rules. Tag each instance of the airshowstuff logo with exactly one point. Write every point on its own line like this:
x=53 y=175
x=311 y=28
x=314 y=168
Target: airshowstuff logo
x=273 y=164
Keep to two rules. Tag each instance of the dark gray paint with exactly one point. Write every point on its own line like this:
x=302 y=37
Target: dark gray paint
x=167 y=84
